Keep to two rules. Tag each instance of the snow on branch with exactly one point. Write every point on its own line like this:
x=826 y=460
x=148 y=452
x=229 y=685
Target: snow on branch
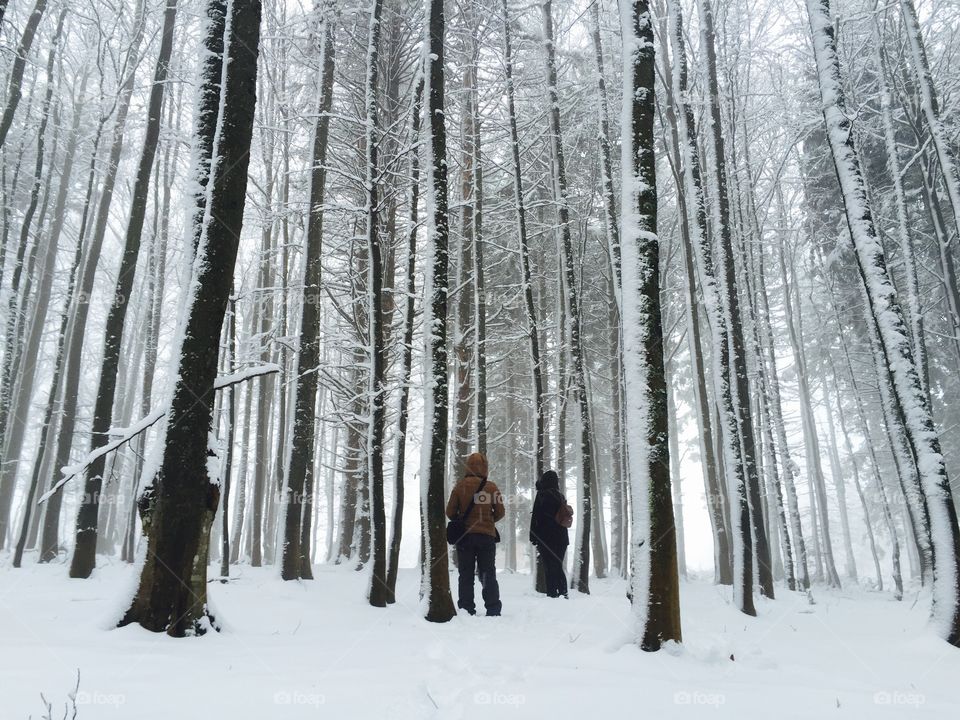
x=126 y=435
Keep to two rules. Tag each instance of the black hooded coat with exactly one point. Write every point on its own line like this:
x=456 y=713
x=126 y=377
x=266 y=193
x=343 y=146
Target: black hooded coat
x=545 y=531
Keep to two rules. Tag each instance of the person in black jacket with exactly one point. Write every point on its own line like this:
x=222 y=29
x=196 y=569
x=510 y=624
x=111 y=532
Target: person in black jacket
x=548 y=535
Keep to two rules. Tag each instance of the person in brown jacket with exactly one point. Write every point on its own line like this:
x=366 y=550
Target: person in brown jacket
x=477 y=551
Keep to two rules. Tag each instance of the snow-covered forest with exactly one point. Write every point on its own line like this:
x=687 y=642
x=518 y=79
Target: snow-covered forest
x=272 y=270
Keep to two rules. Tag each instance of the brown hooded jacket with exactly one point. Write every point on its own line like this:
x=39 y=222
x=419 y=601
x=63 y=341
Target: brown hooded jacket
x=488 y=506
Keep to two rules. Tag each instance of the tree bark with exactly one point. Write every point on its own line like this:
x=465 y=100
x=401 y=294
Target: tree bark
x=377 y=590
x=178 y=511
x=435 y=579
x=655 y=582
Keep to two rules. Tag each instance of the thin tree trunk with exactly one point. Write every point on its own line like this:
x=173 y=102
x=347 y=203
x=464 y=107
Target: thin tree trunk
x=532 y=325
x=158 y=270
x=479 y=280
x=612 y=230
x=55 y=401
x=606 y=166
x=377 y=590
x=231 y=413
x=464 y=340
x=581 y=573
x=836 y=471
x=871 y=447
x=675 y=480
x=403 y=413
x=295 y=561
x=790 y=468
x=823 y=551
x=238 y=542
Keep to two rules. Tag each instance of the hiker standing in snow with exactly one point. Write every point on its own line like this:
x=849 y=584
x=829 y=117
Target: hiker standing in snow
x=548 y=531
x=475 y=505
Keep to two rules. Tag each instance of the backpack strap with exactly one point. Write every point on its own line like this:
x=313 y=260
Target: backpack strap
x=473 y=500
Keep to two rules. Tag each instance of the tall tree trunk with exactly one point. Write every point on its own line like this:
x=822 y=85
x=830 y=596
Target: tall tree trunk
x=613 y=250
x=55 y=401
x=789 y=466
x=603 y=136
x=581 y=573
x=179 y=508
x=655 y=582
x=24 y=388
x=403 y=413
x=158 y=269
x=871 y=447
x=295 y=561
x=675 y=479
x=751 y=233
x=619 y=521
x=479 y=280
x=377 y=590
x=435 y=579
x=231 y=415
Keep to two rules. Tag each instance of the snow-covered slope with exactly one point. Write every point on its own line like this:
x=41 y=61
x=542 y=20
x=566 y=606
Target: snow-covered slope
x=313 y=649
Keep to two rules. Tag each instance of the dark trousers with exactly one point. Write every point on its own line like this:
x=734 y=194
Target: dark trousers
x=556 y=578
x=477 y=555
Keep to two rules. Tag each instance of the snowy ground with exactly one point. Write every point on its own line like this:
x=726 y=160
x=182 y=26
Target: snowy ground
x=305 y=650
